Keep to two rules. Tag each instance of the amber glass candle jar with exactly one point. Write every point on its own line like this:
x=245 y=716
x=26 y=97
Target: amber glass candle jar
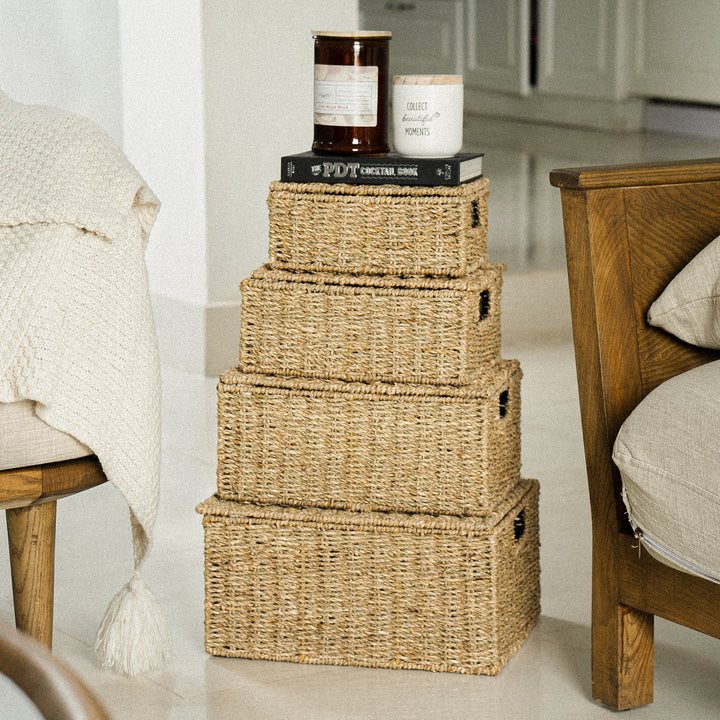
x=351 y=92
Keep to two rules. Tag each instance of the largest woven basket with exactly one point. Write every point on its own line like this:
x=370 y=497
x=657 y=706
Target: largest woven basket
x=376 y=589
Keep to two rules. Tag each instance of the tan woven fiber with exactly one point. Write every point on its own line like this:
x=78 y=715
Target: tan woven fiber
x=378 y=229
x=402 y=448
x=373 y=589
x=370 y=327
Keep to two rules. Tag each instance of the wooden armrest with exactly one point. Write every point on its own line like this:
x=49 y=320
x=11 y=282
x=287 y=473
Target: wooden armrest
x=635 y=175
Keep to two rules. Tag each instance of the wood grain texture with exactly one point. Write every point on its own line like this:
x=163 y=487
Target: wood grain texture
x=635 y=175
x=28 y=496
x=66 y=478
x=628 y=231
x=19 y=488
x=25 y=486
x=667 y=226
x=662 y=591
x=603 y=320
x=636 y=658
x=31 y=539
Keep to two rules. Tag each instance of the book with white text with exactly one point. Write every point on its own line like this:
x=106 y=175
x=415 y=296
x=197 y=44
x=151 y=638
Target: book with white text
x=389 y=168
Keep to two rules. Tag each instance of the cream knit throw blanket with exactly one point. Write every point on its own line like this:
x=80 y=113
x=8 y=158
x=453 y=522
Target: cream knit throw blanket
x=76 y=329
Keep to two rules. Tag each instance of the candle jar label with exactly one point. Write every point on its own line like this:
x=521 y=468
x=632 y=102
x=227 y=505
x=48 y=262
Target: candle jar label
x=346 y=96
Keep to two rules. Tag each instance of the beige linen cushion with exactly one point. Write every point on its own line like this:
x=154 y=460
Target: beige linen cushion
x=668 y=453
x=27 y=440
x=689 y=307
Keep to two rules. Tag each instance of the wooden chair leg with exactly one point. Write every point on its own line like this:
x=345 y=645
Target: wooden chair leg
x=31 y=537
x=623 y=658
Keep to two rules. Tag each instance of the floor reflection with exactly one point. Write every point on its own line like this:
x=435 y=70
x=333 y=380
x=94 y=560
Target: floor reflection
x=524 y=217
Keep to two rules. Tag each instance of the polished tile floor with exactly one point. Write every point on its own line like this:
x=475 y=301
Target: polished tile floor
x=549 y=676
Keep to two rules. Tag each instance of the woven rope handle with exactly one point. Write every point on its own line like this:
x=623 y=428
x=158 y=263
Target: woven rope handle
x=484 y=305
x=503 y=403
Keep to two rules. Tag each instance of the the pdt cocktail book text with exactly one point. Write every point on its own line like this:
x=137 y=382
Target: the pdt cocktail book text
x=390 y=168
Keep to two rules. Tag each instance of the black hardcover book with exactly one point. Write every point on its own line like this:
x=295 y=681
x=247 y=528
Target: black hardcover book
x=389 y=169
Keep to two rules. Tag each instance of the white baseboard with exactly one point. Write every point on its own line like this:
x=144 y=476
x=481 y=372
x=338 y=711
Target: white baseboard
x=222 y=337
x=614 y=116
x=198 y=339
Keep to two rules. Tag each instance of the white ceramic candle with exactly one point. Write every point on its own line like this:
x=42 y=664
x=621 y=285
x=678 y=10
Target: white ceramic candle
x=427 y=115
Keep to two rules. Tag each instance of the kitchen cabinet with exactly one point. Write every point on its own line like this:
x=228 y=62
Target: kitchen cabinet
x=675 y=50
x=428 y=35
x=498 y=45
x=582 y=48
x=545 y=60
x=588 y=63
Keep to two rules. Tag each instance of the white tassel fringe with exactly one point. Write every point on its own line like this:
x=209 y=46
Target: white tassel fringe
x=133 y=637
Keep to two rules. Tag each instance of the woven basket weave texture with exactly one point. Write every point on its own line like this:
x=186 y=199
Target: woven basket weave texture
x=399 y=448
x=370 y=327
x=378 y=229
x=369 y=506
x=375 y=589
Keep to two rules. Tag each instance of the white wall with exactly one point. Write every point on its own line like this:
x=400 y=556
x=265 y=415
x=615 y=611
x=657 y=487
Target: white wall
x=64 y=54
x=214 y=93
x=675 y=52
x=204 y=96
x=258 y=59
x=258 y=107
x=163 y=120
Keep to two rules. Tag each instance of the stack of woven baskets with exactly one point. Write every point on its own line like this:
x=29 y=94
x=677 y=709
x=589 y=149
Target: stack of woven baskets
x=370 y=508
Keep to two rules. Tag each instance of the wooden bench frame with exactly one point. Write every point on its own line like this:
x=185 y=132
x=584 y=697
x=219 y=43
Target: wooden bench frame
x=29 y=497
x=628 y=231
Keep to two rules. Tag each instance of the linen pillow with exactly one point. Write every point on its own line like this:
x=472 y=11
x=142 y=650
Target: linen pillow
x=668 y=453
x=689 y=307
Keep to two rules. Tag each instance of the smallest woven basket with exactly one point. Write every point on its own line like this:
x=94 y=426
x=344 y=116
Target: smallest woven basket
x=378 y=229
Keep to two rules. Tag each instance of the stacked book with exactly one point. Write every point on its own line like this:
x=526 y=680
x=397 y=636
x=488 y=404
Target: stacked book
x=370 y=508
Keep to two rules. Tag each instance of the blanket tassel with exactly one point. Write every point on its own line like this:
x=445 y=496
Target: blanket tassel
x=133 y=637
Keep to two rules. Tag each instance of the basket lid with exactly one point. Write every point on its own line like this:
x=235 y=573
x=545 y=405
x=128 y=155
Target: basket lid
x=215 y=506
x=487 y=383
x=486 y=276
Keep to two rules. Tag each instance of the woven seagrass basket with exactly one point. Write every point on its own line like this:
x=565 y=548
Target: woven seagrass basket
x=398 y=448
x=373 y=589
x=370 y=327
x=378 y=229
